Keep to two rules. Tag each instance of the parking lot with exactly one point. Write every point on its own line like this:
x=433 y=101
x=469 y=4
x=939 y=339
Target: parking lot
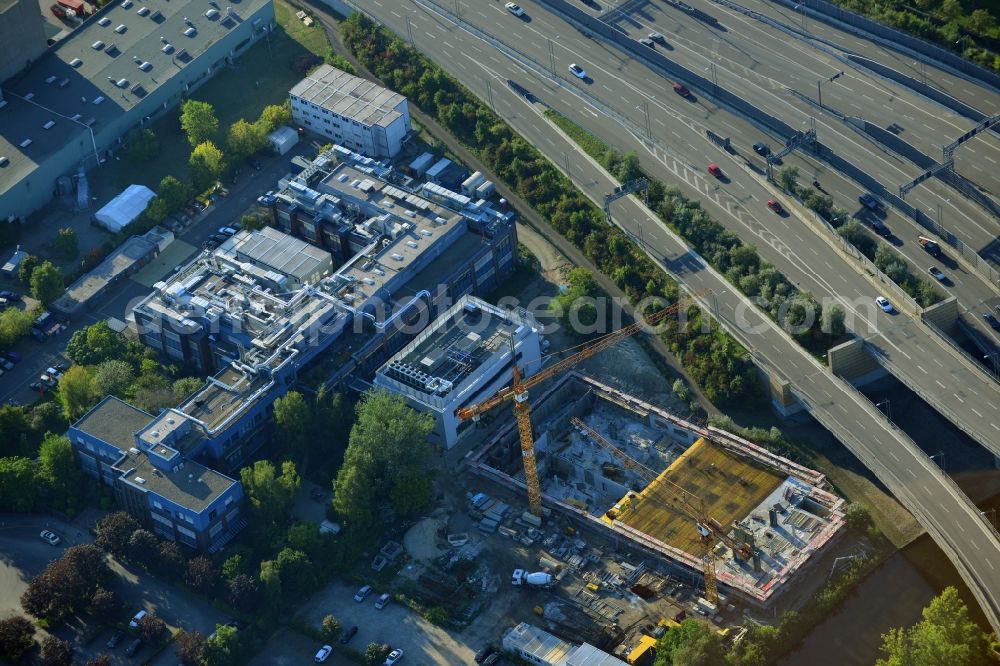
x=423 y=644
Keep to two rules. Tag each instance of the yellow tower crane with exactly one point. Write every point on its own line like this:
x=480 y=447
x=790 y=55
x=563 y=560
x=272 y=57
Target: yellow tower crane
x=518 y=393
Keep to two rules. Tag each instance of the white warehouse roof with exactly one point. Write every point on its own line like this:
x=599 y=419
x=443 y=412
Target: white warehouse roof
x=125 y=207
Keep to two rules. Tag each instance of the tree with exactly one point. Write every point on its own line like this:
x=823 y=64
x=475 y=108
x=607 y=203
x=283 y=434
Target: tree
x=190 y=645
x=245 y=139
x=234 y=565
x=855 y=234
x=293 y=424
x=832 y=320
x=27 y=267
x=98 y=343
x=388 y=438
x=411 y=493
x=100 y=660
x=254 y=222
x=142 y=145
x=15 y=324
x=198 y=121
x=56 y=652
x=375 y=654
x=244 y=592
x=113 y=532
x=105 y=603
x=205 y=164
x=576 y=305
x=18 y=490
x=202 y=576
x=224 y=648
x=113 y=377
x=269 y=494
x=57 y=468
x=170 y=559
x=788 y=178
x=275 y=115
x=77 y=391
x=331 y=628
x=66 y=245
x=692 y=643
x=17 y=636
x=151 y=627
x=296 y=573
x=339 y=61
x=944 y=635
x=981 y=21
x=143 y=547
x=46 y=282
x=173 y=193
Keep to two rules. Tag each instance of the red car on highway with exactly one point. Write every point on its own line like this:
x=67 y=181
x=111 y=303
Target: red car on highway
x=714 y=169
x=775 y=206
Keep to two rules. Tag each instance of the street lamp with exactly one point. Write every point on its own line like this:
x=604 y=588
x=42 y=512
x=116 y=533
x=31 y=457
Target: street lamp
x=819 y=86
x=715 y=80
x=923 y=70
x=645 y=108
x=802 y=12
x=888 y=408
x=941 y=455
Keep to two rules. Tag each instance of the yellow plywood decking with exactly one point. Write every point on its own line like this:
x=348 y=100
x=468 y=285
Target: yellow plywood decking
x=729 y=486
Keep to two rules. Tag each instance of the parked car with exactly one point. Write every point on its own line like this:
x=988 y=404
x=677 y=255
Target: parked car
x=51 y=537
x=394 y=657
x=514 y=9
x=884 y=303
x=227 y=231
x=577 y=71
x=54 y=373
x=37 y=387
x=492 y=659
x=13 y=357
x=937 y=273
x=10 y=295
x=5 y=364
x=115 y=639
x=363 y=593
x=382 y=601
x=47 y=380
x=775 y=206
x=134 y=623
x=133 y=647
x=219 y=238
x=323 y=653
x=346 y=637
x=484 y=653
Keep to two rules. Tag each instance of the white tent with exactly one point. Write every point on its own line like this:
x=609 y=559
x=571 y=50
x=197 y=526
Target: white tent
x=125 y=207
x=282 y=139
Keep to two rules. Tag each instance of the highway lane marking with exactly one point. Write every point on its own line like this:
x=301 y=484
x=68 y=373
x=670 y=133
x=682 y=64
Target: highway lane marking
x=894 y=456
x=447 y=44
x=976 y=546
x=959 y=525
x=938 y=362
x=989 y=159
x=660 y=121
x=958 y=398
x=976 y=412
x=428 y=34
x=995 y=427
x=938 y=382
x=990 y=563
x=395 y=14
x=921 y=369
x=867 y=97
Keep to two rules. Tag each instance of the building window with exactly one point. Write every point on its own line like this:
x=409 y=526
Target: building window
x=212 y=514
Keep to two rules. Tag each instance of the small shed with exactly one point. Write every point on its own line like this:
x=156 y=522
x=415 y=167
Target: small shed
x=418 y=167
x=125 y=207
x=282 y=139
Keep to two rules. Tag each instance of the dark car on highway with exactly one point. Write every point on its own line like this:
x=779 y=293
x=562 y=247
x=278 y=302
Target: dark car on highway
x=761 y=149
x=992 y=321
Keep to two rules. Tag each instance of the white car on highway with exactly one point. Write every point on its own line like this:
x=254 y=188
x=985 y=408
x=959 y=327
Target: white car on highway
x=884 y=303
x=515 y=9
x=577 y=71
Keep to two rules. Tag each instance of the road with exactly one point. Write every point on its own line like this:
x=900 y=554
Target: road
x=949 y=517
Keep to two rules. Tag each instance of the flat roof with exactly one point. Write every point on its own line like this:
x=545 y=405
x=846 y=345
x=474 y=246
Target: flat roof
x=548 y=649
x=349 y=96
x=227 y=393
x=278 y=251
x=114 y=421
x=75 y=80
x=133 y=250
x=192 y=485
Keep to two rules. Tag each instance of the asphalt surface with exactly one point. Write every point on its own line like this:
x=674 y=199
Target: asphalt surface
x=680 y=155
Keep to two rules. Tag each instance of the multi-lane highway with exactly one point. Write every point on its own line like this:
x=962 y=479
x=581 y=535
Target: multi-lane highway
x=619 y=86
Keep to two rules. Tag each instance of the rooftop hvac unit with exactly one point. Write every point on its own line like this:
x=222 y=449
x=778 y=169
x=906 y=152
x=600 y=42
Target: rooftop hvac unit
x=25 y=143
x=127 y=4
x=98 y=45
x=145 y=66
x=412 y=244
x=122 y=83
x=121 y=29
x=49 y=125
x=190 y=32
x=98 y=100
x=75 y=117
x=426 y=232
x=212 y=13
x=4 y=161
x=75 y=62
x=64 y=83
x=50 y=79
x=29 y=96
x=104 y=22
x=167 y=48
x=142 y=11
x=397 y=257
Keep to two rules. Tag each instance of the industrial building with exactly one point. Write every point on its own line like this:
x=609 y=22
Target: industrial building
x=22 y=37
x=125 y=260
x=128 y=62
x=621 y=465
x=464 y=356
x=351 y=111
x=537 y=646
x=154 y=476
x=287 y=262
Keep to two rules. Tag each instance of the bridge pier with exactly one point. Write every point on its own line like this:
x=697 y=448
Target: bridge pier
x=851 y=362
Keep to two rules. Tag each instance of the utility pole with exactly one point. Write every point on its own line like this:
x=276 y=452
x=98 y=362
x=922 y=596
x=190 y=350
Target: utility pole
x=489 y=94
x=409 y=31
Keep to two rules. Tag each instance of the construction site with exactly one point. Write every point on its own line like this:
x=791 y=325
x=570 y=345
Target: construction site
x=706 y=502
